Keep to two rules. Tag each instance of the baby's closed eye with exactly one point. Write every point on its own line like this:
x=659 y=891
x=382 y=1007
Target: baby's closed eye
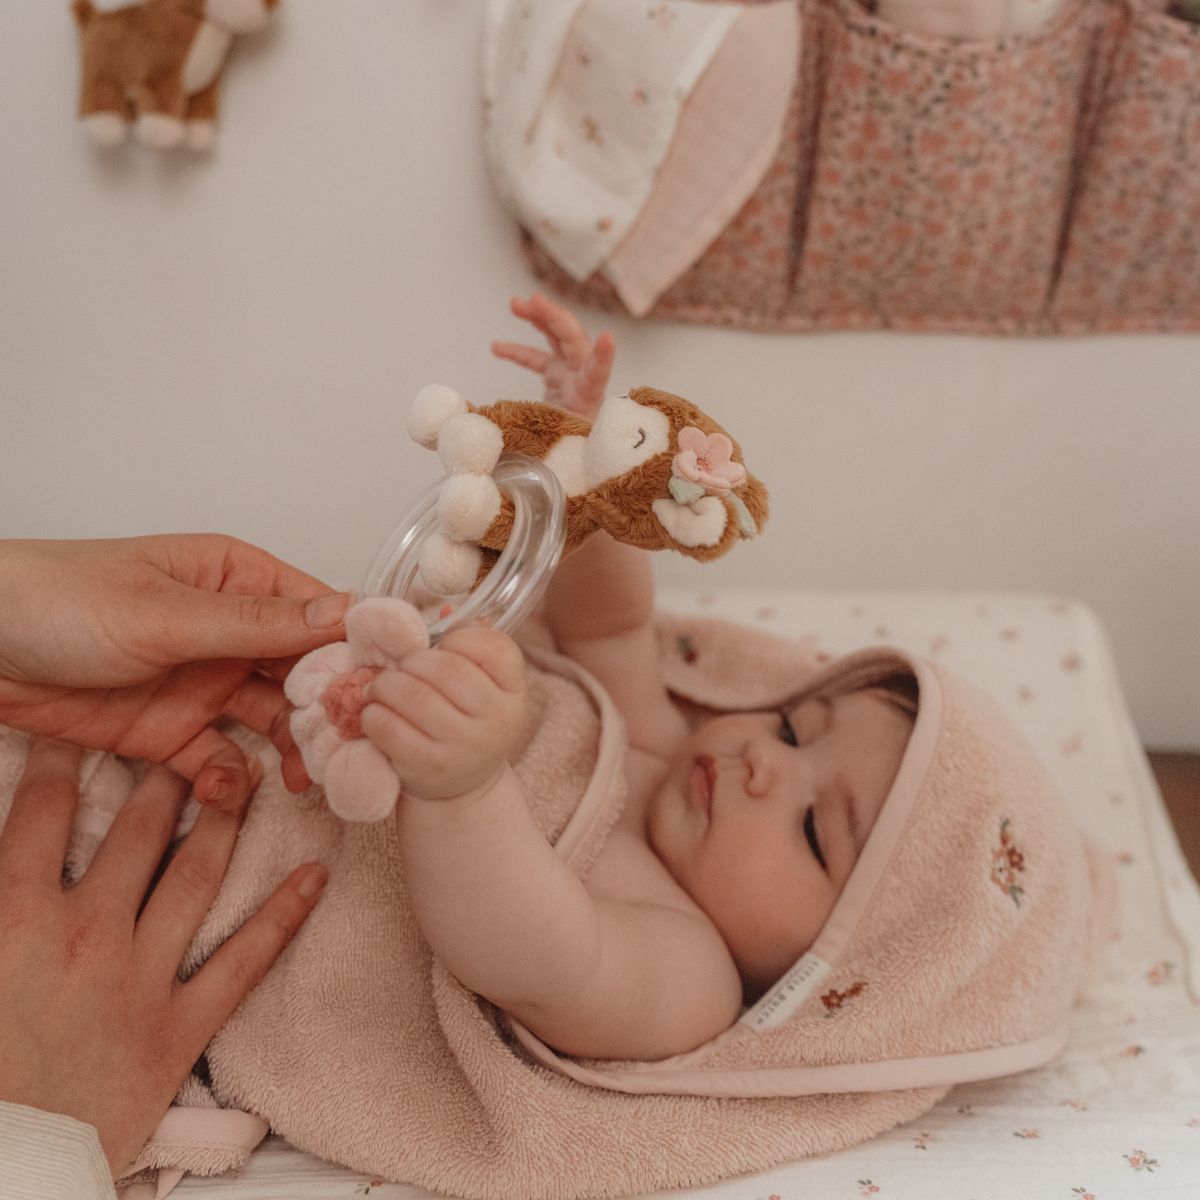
x=810 y=832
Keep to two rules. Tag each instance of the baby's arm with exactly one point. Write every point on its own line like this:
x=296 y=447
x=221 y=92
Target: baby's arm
x=591 y=975
x=600 y=604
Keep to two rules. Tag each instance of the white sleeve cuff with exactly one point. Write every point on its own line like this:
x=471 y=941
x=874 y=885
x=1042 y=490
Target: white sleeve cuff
x=51 y=1157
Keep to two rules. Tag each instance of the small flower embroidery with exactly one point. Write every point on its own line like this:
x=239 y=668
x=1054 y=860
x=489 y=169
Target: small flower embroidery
x=1160 y=973
x=1007 y=862
x=661 y=15
x=1028 y=1134
x=364 y=1189
x=1133 y=1051
x=1082 y=1193
x=707 y=460
x=1077 y=1105
x=1139 y=1160
x=1072 y=745
x=833 y=999
x=591 y=131
x=922 y=1140
x=686 y=648
x=868 y=1188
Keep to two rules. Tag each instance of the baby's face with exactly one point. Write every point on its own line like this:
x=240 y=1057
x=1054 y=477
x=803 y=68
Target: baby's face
x=763 y=815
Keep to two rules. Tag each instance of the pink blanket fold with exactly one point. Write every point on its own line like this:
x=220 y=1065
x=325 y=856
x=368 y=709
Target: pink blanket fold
x=955 y=952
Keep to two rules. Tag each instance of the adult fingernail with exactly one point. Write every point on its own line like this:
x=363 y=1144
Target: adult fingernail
x=312 y=881
x=326 y=611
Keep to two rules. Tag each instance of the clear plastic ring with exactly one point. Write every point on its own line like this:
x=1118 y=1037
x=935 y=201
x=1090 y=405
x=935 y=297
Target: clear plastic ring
x=520 y=575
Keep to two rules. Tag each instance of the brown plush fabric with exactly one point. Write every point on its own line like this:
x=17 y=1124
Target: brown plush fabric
x=134 y=58
x=621 y=505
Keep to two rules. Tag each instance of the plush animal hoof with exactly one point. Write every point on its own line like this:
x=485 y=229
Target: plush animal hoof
x=201 y=136
x=105 y=129
x=470 y=443
x=449 y=568
x=467 y=505
x=434 y=405
x=158 y=131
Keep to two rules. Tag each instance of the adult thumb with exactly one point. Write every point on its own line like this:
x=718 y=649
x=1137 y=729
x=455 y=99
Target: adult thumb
x=207 y=625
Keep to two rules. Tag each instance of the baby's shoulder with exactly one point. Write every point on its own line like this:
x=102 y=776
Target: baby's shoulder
x=627 y=868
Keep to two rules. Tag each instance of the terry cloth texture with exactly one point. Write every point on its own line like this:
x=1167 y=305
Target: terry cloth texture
x=954 y=953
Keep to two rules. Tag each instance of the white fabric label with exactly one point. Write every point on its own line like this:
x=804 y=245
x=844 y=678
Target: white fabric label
x=788 y=994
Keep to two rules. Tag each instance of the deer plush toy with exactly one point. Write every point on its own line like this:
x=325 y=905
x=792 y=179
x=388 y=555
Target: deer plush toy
x=158 y=65
x=653 y=471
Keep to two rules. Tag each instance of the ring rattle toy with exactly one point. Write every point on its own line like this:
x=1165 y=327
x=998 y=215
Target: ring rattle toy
x=526 y=483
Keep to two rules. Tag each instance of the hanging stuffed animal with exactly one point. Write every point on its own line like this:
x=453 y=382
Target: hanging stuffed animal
x=653 y=471
x=158 y=64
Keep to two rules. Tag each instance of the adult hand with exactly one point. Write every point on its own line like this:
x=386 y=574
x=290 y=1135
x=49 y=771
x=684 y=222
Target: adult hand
x=574 y=371
x=97 y=1024
x=137 y=645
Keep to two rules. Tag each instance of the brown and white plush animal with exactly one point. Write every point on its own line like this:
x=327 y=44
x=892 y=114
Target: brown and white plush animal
x=653 y=470
x=158 y=64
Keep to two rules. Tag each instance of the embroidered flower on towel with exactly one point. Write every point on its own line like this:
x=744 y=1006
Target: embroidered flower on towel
x=833 y=999
x=1007 y=863
x=328 y=688
x=707 y=460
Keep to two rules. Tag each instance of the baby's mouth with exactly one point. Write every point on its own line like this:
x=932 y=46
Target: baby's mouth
x=703 y=783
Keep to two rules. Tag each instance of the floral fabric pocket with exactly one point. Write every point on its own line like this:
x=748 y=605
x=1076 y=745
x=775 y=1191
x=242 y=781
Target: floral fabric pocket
x=1047 y=182
x=1132 y=256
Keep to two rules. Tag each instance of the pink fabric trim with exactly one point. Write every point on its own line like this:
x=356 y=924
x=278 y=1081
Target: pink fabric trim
x=224 y=1130
x=807 y=1081
x=610 y=752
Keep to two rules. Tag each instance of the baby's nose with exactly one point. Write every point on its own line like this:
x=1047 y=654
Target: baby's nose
x=761 y=767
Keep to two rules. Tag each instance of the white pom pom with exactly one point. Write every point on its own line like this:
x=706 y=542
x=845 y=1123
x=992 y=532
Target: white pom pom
x=470 y=443
x=105 y=128
x=434 y=405
x=158 y=131
x=467 y=505
x=449 y=568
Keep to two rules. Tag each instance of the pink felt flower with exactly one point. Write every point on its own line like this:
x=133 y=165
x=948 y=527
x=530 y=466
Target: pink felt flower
x=328 y=689
x=706 y=459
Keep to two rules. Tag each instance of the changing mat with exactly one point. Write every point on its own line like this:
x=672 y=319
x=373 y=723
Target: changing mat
x=1118 y=1114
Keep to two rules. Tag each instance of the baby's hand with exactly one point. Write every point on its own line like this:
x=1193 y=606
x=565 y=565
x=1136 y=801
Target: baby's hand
x=575 y=372
x=448 y=718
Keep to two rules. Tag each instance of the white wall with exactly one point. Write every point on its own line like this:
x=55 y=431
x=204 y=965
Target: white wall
x=232 y=343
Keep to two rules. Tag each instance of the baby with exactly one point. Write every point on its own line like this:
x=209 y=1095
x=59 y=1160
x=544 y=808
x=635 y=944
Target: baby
x=738 y=833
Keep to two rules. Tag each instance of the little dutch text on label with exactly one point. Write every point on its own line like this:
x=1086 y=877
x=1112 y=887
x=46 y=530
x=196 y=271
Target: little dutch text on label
x=788 y=994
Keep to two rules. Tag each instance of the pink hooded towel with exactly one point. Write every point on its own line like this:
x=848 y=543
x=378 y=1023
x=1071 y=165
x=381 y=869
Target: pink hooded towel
x=955 y=952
